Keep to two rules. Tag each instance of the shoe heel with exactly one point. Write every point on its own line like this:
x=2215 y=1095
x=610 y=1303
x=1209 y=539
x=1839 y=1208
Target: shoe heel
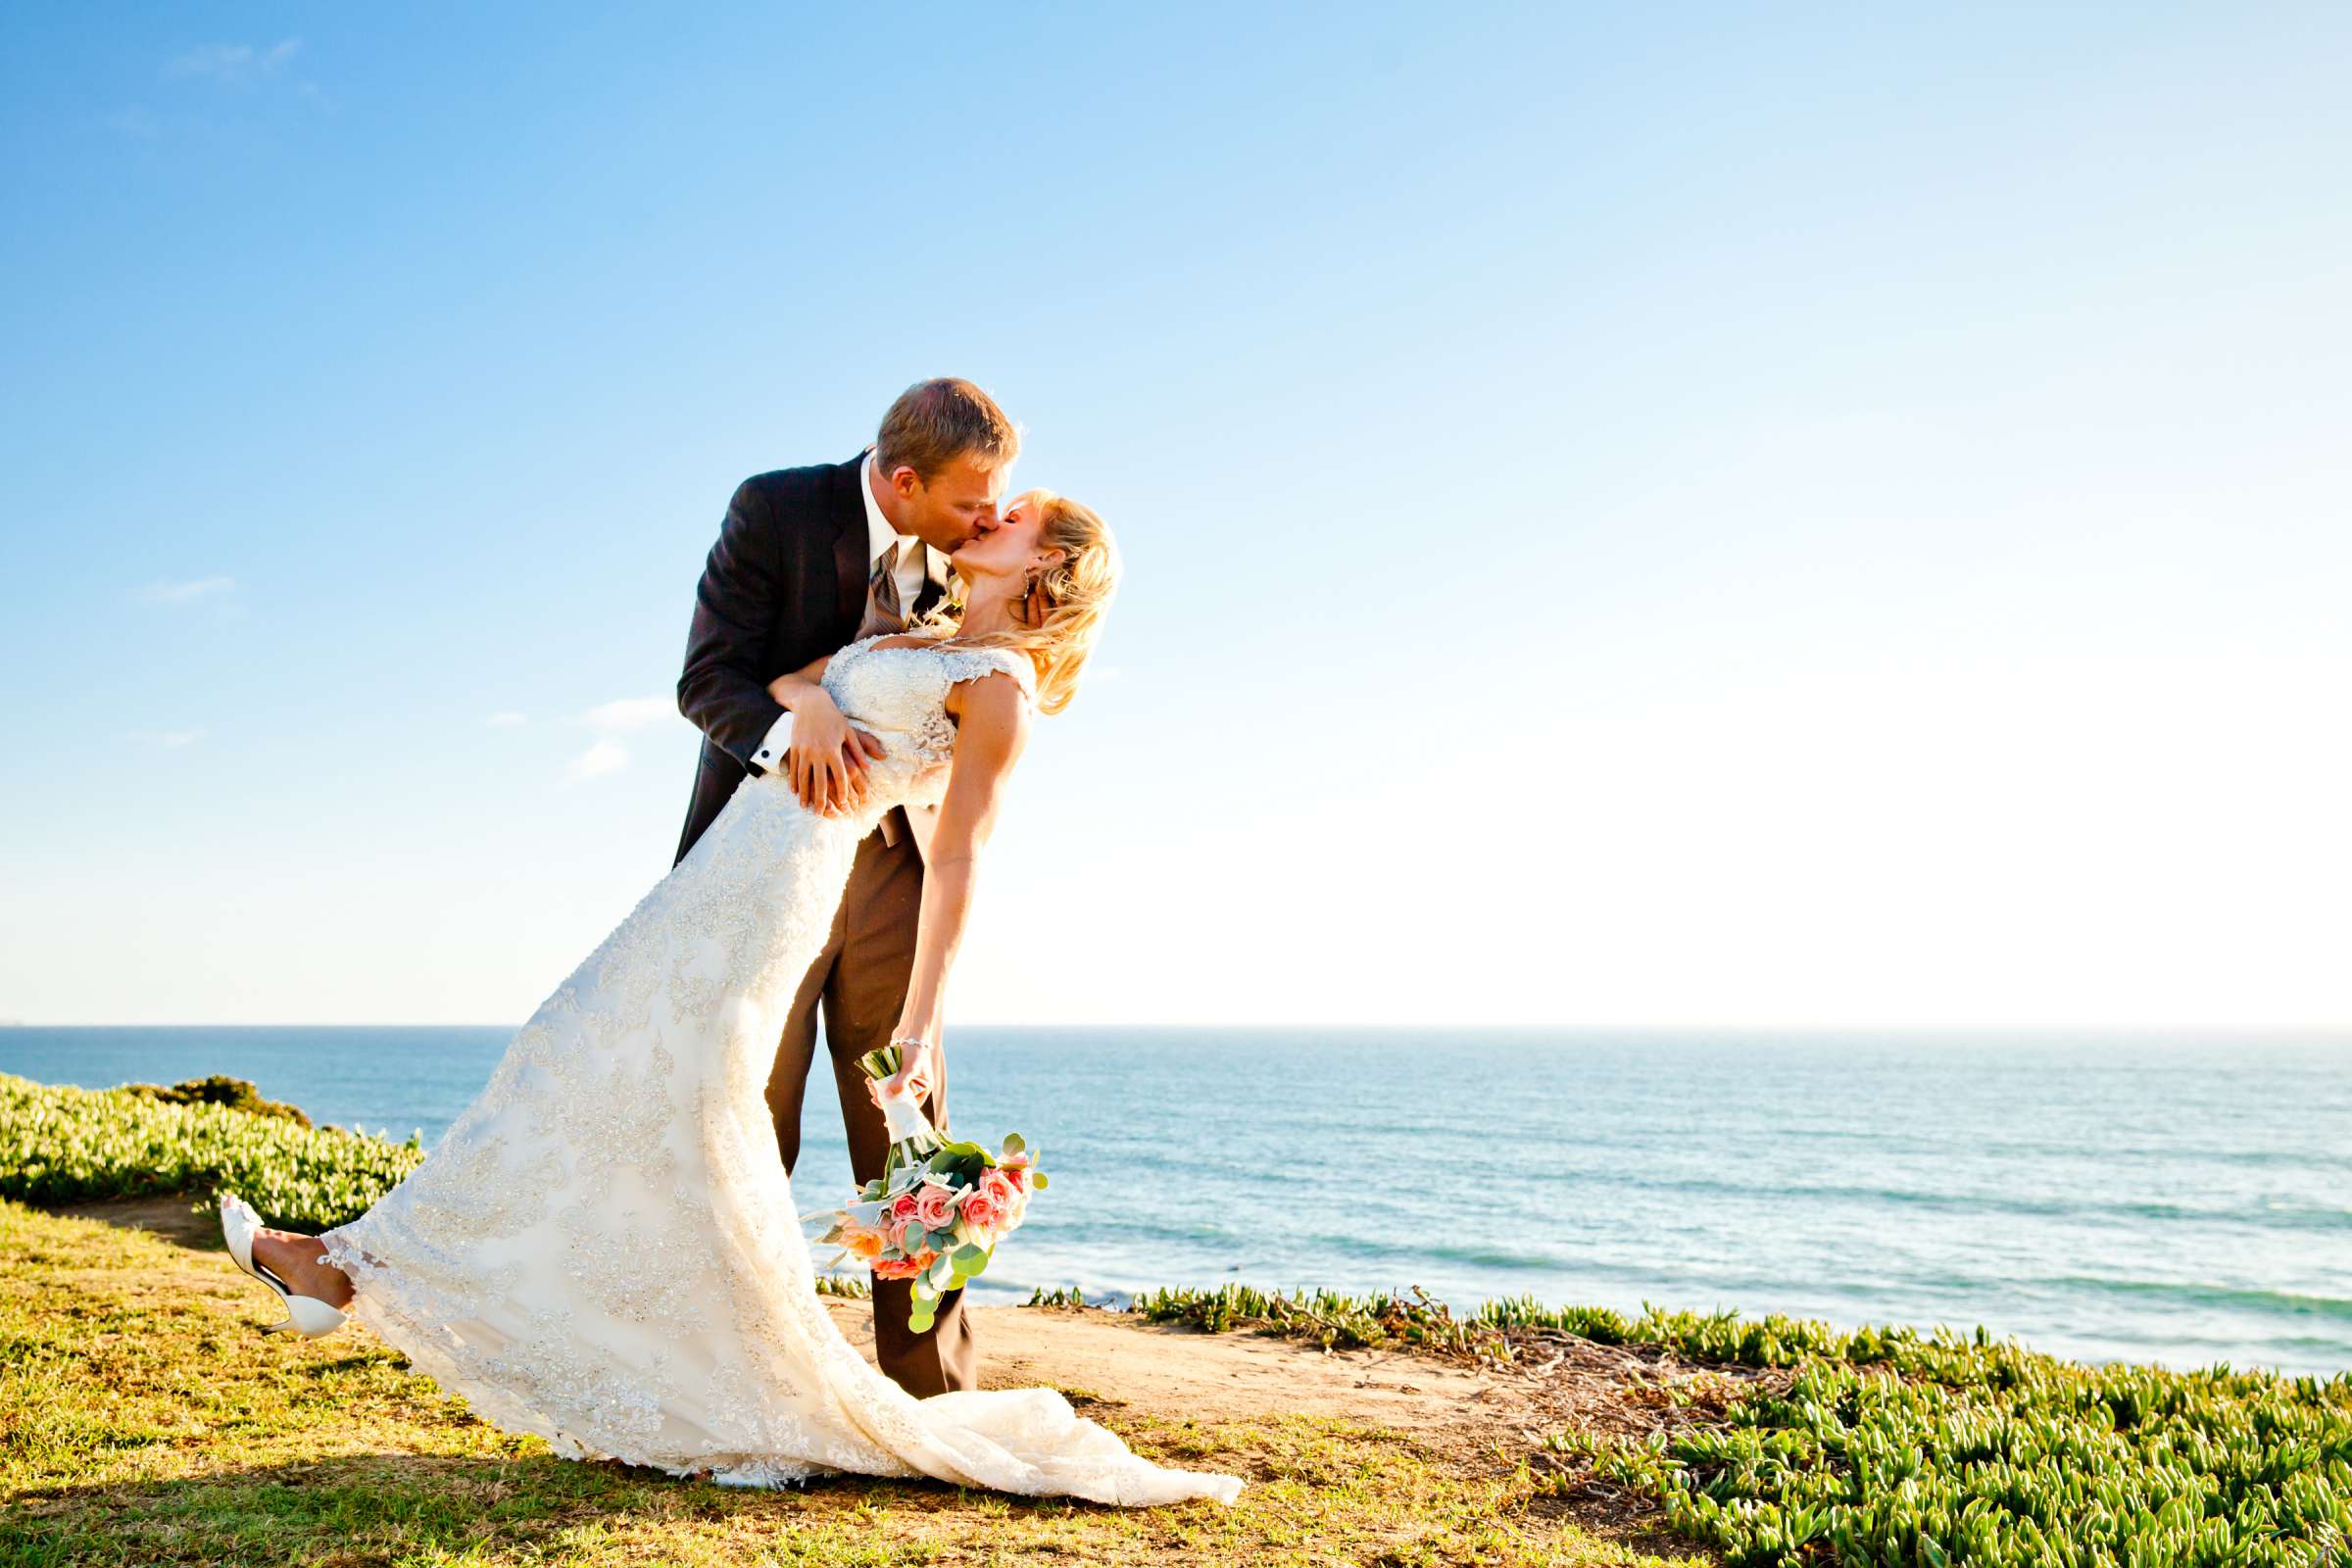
x=309 y=1317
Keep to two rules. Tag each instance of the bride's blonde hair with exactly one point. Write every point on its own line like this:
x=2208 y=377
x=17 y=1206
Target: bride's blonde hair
x=1061 y=614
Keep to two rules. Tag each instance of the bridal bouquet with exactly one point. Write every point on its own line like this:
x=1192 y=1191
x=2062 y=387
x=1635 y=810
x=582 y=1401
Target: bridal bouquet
x=938 y=1210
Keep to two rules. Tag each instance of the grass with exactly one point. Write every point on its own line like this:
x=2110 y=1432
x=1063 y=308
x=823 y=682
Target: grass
x=142 y=1420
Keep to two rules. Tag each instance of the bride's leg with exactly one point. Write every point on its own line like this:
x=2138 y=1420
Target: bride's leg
x=301 y=1261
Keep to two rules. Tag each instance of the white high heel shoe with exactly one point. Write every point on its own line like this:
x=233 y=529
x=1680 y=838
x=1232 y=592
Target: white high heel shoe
x=305 y=1315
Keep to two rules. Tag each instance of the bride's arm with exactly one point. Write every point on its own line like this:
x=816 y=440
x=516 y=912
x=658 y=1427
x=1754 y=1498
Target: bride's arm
x=825 y=763
x=994 y=726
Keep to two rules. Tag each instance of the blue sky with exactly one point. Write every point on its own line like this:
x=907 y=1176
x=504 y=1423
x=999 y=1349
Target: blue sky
x=1676 y=515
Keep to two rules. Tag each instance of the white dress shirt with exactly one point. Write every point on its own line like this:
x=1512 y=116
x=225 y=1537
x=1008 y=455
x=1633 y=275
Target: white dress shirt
x=918 y=561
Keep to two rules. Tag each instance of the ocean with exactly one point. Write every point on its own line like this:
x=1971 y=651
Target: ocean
x=2186 y=1201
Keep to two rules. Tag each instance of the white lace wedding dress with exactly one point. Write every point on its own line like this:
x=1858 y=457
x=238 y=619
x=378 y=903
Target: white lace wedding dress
x=604 y=1248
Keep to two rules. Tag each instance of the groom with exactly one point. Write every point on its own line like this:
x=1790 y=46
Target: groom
x=807 y=560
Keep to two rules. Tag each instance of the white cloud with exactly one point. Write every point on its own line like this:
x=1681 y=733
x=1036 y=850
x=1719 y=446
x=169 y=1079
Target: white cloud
x=505 y=718
x=234 y=63
x=179 y=593
x=623 y=715
x=607 y=756
x=167 y=737
x=632 y=713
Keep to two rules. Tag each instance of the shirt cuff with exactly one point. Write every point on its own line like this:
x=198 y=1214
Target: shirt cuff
x=771 y=750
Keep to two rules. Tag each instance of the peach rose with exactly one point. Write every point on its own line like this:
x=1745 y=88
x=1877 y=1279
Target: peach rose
x=863 y=1243
x=935 y=1206
x=904 y=1268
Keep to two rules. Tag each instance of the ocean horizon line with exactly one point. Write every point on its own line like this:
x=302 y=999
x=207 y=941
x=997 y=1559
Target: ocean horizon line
x=2203 y=1033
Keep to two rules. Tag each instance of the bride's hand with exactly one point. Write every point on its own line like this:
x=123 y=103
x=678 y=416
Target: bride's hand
x=918 y=1070
x=827 y=762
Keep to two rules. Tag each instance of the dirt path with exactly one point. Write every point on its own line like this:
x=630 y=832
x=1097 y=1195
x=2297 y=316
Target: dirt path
x=1117 y=1358
x=175 y=1218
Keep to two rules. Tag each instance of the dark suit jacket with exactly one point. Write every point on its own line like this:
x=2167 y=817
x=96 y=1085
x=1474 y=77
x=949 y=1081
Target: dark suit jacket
x=784 y=585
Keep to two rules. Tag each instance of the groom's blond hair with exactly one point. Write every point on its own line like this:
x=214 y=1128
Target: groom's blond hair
x=934 y=422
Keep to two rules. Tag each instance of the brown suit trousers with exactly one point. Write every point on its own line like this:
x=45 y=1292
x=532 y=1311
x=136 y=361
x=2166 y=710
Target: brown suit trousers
x=859 y=981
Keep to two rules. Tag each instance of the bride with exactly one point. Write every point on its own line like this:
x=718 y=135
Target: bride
x=604 y=1248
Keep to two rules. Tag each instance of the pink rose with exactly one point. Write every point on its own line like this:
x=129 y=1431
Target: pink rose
x=904 y=1209
x=983 y=1210
x=935 y=1206
x=909 y=1235
x=1002 y=1186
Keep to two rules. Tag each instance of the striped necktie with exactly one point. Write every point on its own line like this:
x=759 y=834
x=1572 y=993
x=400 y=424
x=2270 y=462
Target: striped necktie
x=883 y=612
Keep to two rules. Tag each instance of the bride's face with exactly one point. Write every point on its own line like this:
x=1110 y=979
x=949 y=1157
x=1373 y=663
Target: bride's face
x=1010 y=549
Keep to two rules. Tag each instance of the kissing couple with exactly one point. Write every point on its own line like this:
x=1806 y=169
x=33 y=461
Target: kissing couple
x=604 y=1250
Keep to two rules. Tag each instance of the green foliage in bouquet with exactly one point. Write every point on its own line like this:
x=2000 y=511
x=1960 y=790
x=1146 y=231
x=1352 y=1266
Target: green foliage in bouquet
x=62 y=1144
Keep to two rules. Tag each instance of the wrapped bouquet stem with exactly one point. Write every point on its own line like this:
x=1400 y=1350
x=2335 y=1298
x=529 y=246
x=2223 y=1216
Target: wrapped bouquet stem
x=913 y=1138
x=940 y=1207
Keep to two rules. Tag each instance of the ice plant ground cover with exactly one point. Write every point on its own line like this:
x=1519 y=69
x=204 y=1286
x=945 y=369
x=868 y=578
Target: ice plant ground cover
x=940 y=1207
x=62 y=1144
x=1890 y=1447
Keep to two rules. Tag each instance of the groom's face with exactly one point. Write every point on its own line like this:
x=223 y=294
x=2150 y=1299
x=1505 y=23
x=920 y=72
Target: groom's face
x=955 y=505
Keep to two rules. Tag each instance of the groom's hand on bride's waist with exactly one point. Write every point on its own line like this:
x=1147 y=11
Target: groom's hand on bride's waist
x=829 y=773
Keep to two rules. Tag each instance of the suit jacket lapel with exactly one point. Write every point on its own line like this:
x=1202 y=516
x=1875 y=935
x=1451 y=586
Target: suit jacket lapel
x=851 y=567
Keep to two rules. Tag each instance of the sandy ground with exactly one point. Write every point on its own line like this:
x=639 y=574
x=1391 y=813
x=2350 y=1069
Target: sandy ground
x=1117 y=1358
